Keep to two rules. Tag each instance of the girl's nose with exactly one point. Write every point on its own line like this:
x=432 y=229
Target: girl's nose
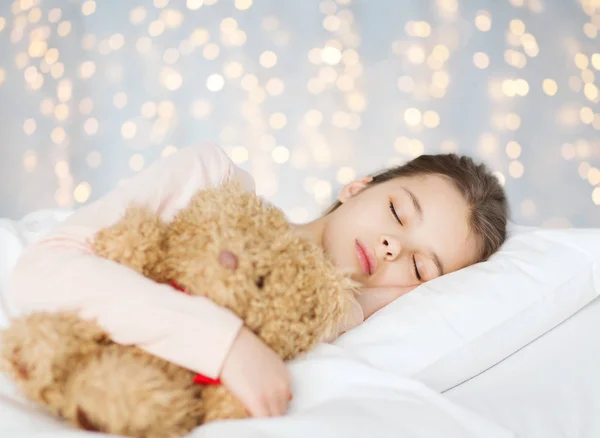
x=391 y=246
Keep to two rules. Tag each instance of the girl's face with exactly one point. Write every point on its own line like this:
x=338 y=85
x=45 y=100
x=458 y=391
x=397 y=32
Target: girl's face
x=400 y=233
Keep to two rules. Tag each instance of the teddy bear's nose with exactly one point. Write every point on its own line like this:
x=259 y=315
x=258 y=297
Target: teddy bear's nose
x=228 y=260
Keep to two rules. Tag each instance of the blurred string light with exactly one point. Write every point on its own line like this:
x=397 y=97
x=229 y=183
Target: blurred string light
x=257 y=84
x=337 y=70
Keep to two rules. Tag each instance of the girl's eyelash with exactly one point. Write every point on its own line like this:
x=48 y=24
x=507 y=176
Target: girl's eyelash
x=393 y=210
x=416 y=269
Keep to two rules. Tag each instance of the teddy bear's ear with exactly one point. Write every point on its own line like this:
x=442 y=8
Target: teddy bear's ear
x=206 y=216
x=230 y=205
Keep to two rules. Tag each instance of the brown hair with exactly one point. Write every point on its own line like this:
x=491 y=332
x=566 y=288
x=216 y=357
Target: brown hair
x=479 y=187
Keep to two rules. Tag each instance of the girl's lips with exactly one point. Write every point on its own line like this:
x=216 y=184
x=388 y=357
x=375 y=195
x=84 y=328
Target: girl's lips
x=366 y=260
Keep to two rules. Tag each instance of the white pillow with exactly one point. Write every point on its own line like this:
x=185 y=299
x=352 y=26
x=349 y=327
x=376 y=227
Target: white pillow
x=455 y=327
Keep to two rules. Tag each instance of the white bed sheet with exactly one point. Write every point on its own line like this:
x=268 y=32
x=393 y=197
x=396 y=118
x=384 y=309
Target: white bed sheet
x=550 y=388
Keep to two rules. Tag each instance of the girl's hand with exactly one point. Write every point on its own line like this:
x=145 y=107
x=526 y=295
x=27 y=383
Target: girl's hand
x=257 y=376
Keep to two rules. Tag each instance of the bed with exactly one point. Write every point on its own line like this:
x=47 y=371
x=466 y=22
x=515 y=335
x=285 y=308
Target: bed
x=540 y=383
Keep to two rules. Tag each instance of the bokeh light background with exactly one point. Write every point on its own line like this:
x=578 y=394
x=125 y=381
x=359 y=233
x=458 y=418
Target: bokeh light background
x=304 y=94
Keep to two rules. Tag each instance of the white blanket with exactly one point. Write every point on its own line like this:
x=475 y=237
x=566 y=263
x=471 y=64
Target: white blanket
x=335 y=394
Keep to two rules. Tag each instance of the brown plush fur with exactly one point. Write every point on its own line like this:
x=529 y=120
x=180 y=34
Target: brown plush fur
x=227 y=245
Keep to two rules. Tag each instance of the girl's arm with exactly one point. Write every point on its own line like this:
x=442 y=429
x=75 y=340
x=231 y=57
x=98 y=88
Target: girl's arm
x=61 y=272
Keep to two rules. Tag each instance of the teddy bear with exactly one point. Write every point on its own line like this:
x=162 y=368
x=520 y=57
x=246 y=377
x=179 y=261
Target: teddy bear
x=228 y=245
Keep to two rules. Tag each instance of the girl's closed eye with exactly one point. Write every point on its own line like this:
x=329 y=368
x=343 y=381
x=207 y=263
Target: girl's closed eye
x=417 y=273
x=393 y=210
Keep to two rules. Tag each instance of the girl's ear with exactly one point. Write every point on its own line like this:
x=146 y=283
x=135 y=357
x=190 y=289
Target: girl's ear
x=354 y=187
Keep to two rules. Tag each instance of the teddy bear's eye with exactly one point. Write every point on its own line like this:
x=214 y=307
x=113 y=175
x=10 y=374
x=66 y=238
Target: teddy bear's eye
x=260 y=282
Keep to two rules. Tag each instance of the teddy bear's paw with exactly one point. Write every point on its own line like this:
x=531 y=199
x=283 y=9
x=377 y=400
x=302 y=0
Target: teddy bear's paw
x=125 y=392
x=221 y=404
x=39 y=387
x=39 y=350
